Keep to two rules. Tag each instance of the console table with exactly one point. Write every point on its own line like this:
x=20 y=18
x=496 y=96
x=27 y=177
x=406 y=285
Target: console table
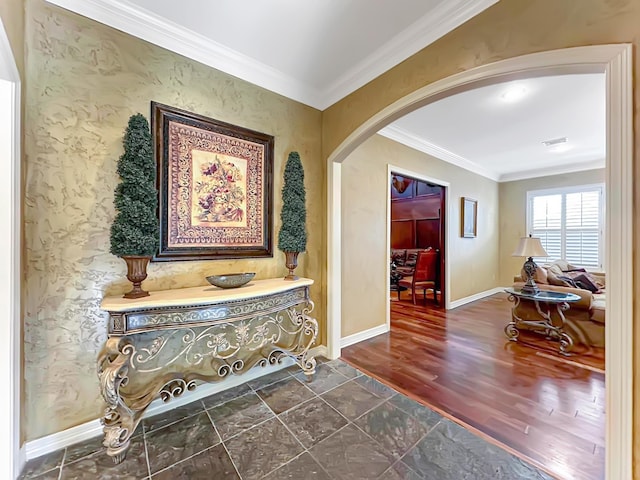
x=164 y=344
x=550 y=300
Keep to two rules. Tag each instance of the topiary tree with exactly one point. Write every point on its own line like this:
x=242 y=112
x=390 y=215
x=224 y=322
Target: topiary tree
x=292 y=237
x=134 y=232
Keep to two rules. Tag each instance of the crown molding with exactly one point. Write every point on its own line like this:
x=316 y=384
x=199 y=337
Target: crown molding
x=160 y=31
x=429 y=28
x=402 y=136
x=554 y=170
x=167 y=34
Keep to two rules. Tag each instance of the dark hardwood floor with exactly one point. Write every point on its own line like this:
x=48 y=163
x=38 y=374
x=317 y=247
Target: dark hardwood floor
x=543 y=407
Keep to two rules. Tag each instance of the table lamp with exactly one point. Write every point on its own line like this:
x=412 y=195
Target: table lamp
x=530 y=247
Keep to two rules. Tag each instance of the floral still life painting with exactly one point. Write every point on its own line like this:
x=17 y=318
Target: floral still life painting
x=215 y=187
x=220 y=190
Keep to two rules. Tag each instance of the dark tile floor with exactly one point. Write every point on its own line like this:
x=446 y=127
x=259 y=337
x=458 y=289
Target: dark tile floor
x=341 y=425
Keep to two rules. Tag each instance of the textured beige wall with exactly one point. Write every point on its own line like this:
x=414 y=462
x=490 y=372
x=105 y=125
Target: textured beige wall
x=84 y=81
x=473 y=261
x=12 y=15
x=513 y=213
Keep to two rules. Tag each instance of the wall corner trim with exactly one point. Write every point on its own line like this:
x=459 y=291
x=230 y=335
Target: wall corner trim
x=364 y=335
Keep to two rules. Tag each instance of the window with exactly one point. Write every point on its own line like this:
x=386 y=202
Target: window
x=569 y=222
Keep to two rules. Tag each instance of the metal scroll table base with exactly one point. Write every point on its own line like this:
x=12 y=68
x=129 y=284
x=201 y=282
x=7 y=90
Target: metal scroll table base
x=545 y=324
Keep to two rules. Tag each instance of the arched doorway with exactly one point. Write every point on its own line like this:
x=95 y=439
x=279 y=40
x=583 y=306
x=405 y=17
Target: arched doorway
x=616 y=62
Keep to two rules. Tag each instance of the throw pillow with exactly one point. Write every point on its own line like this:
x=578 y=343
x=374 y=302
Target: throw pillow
x=555 y=270
x=570 y=281
x=571 y=270
x=587 y=282
x=557 y=279
x=563 y=264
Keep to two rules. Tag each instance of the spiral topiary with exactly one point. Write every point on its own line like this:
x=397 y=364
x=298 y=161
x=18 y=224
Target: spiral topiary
x=134 y=231
x=293 y=232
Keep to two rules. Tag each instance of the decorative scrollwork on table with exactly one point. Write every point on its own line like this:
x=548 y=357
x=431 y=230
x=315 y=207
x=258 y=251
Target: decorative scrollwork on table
x=566 y=343
x=193 y=345
x=119 y=420
x=175 y=388
x=511 y=331
x=184 y=315
x=136 y=368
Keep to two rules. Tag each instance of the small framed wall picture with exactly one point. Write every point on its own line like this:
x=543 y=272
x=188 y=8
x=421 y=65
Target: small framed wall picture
x=469 y=217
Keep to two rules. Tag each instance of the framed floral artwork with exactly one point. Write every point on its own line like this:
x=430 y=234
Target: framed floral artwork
x=215 y=185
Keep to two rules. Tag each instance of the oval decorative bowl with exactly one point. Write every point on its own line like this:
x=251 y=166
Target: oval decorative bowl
x=230 y=280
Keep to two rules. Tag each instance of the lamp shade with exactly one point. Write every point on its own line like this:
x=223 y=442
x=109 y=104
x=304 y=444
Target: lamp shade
x=530 y=247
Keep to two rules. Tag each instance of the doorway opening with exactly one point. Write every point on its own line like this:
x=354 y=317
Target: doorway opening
x=417 y=235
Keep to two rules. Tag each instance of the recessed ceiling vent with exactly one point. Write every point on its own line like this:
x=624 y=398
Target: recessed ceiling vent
x=555 y=141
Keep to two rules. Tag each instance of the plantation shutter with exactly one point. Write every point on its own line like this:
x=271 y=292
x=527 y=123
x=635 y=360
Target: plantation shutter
x=547 y=224
x=583 y=228
x=569 y=224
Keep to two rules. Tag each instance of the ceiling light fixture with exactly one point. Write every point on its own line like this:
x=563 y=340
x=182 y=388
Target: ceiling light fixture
x=513 y=93
x=557 y=145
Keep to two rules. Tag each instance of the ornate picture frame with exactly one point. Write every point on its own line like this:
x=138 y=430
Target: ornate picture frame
x=215 y=186
x=469 y=217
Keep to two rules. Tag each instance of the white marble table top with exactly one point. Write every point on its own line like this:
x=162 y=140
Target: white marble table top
x=202 y=295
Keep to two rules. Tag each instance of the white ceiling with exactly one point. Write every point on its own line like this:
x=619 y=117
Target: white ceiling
x=313 y=51
x=319 y=51
x=502 y=140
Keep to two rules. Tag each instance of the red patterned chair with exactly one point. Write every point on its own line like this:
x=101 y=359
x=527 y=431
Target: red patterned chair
x=425 y=275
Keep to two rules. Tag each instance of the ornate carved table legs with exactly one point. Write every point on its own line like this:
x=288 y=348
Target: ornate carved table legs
x=545 y=324
x=121 y=417
x=165 y=362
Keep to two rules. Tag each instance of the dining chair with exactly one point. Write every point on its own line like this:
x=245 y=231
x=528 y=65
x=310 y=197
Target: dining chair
x=425 y=275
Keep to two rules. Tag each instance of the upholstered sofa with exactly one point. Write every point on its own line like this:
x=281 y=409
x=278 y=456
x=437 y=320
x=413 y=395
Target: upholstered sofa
x=586 y=317
x=405 y=260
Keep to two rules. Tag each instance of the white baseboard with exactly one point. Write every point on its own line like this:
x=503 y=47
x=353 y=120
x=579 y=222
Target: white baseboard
x=56 y=441
x=474 y=297
x=364 y=335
